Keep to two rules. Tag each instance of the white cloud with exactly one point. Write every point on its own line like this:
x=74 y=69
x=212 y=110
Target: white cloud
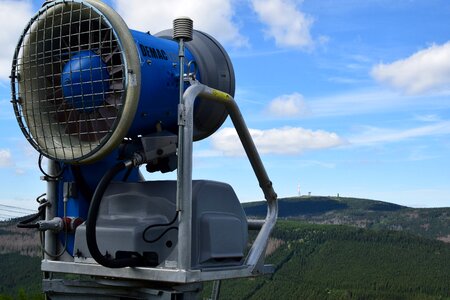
x=371 y=101
x=285 y=140
x=356 y=103
x=428 y=118
x=288 y=106
x=5 y=158
x=376 y=135
x=426 y=70
x=14 y=15
x=285 y=22
x=214 y=17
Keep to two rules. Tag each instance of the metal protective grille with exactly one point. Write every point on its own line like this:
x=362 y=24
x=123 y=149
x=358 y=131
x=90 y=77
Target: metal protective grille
x=68 y=80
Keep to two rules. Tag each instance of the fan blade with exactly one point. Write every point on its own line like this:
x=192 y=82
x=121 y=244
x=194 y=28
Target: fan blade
x=110 y=54
x=106 y=38
x=54 y=94
x=85 y=129
x=114 y=100
x=116 y=85
x=62 y=114
x=108 y=114
x=114 y=69
x=67 y=45
x=61 y=56
x=72 y=122
x=99 y=126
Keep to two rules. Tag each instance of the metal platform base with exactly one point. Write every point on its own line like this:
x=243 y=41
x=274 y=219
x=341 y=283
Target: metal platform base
x=99 y=289
x=152 y=274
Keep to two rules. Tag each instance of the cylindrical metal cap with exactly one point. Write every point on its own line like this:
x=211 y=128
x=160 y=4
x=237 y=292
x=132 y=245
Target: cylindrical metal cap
x=183 y=28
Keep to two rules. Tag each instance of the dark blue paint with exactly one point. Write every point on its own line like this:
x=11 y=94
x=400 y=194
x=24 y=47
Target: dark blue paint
x=85 y=80
x=159 y=98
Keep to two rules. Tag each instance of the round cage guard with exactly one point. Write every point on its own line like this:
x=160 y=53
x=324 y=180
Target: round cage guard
x=74 y=95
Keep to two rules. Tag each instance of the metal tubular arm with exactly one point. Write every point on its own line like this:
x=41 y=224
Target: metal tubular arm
x=255 y=257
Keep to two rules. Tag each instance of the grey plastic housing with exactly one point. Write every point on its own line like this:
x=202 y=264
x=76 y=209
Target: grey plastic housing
x=219 y=224
x=216 y=71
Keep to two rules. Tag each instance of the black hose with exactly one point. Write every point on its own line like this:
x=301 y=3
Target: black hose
x=34 y=225
x=160 y=225
x=91 y=223
x=25 y=223
x=57 y=176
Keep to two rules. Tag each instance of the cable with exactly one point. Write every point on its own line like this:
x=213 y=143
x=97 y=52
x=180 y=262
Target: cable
x=160 y=225
x=40 y=213
x=17 y=208
x=61 y=170
x=15 y=211
x=91 y=223
x=41 y=236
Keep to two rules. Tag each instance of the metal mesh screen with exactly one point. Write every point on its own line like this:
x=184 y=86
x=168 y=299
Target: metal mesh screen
x=68 y=81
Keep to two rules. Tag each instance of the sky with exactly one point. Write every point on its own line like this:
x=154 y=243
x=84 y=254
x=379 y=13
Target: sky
x=342 y=97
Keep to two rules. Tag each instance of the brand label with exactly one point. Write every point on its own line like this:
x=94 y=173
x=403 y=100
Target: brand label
x=153 y=52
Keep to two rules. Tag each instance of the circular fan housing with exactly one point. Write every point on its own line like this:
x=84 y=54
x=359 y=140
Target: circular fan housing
x=76 y=81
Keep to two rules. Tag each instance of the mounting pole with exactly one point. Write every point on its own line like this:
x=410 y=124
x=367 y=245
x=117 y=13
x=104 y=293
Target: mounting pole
x=215 y=290
x=182 y=32
x=50 y=211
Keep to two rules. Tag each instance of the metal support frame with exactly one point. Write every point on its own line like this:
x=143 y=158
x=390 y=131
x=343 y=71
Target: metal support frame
x=254 y=262
x=255 y=257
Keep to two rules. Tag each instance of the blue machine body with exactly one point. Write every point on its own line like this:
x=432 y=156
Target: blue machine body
x=160 y=79
x=86 y=81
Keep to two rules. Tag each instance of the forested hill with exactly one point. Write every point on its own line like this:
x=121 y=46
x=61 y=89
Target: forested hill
x=312 y=262
x=341 y=262
x=427 y=222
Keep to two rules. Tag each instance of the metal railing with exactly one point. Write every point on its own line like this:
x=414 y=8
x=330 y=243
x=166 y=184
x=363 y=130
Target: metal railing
x=255 y=257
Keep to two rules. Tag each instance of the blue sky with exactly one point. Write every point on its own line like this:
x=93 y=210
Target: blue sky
x=348 y=97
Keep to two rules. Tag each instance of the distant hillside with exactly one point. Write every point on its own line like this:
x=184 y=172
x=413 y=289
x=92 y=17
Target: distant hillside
x=20 y=262
x=341 y=262
x=427 y=222
x=312 y=261
x=16 y=240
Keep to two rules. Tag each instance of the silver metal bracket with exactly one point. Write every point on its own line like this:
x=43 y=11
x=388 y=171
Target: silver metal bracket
x=181 y=115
